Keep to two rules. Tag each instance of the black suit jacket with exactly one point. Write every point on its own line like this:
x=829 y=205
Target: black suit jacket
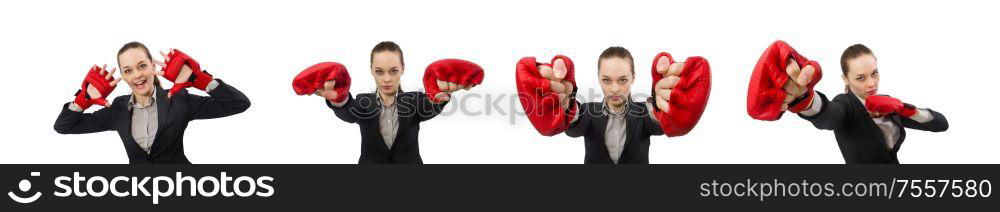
x=859 y=138
x=173 y=116
x=412 y=108
x=592 y=122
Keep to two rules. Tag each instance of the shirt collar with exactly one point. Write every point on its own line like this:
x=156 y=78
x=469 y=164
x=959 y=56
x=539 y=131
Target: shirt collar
x=133 y=104
x=607 y=110
x=378 y=98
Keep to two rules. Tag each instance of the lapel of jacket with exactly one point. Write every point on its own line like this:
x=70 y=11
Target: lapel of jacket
x=902 y=134
x=868 y=122
x=162 y=107
x=631 y=122
x=399 y=118
x=601 y=122
x=127 y=113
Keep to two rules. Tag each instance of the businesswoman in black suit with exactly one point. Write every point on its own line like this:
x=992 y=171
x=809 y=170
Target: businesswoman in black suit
x=389 y=119
x=151 y=121
x=616 y=130
x=869 y=127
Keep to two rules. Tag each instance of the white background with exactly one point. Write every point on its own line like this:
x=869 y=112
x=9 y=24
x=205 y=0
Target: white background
x=932 y=54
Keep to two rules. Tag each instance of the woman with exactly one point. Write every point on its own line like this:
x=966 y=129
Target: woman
x=616 y=130
x=151 y=121
x=869 y=127
x=389 y=119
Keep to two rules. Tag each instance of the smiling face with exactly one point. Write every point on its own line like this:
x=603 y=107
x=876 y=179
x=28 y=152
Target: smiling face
x=387 y=68
x=862 y=75
x=137 y=71
x=616 y=78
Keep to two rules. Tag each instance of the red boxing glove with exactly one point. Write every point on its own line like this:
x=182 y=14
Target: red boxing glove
x=688 y=98
x=540 y=102
x=450 y=70
x=885 y=105
x=314 y=77
x=177 y=60
x=766 y=93
x=103 y=85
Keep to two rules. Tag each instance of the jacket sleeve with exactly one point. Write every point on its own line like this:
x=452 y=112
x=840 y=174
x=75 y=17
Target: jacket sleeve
x=72 y=122
x=350 y=112
x=582 y=124
x=427 y=109
x=651 y=125
x=831 y=115
x=937 y=124
x=222 y=101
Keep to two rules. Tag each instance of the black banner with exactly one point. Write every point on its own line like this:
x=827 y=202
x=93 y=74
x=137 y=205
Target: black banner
x=497 y=187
